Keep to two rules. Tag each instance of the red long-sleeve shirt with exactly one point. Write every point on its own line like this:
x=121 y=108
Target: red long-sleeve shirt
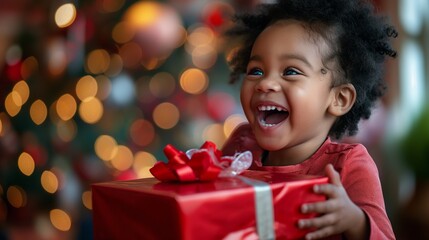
x=358 y=172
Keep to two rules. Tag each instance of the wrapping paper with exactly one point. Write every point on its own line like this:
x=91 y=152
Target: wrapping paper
x=219 y=209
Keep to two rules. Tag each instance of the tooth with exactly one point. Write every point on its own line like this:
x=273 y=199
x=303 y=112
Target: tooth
x=279 y=109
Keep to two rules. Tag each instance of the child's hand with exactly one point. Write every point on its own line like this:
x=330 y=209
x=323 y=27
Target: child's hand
x=339 y=213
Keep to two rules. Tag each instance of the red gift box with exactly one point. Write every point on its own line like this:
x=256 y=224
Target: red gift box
x=219 y=209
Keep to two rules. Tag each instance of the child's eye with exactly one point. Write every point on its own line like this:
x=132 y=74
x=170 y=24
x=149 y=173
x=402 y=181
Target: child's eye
x=290 y=71
x=255 y=71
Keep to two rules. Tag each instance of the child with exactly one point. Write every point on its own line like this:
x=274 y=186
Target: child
x=312 y=69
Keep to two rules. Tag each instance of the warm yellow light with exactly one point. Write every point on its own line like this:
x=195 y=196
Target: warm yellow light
x=123 y=159
x=123 y=33
x=49 y=181
x=166 y=115
x=194 y=81
x=204 y=57
x=16 y=196
x=26 y=164
x=162 y=84
x=86 y=87
x=60 y=219
x=98 y=61
x=143 y=161
x=91 y=110
x=116 y=65
x=105 y=147
x=87 y=199
x=66 y=130
x=201 y=36
x=12 y=103
x=151 y=63
x=23 y=91
x=65 y=15
x=143 y=13
x=232 y=122
x=66 y=107
x=214 y=133
x=38 y=112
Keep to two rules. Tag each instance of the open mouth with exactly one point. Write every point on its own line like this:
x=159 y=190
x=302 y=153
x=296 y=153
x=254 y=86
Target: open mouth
x=270 y=116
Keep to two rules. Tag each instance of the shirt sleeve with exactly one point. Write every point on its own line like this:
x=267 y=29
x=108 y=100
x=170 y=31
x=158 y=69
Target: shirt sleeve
x=360 y=178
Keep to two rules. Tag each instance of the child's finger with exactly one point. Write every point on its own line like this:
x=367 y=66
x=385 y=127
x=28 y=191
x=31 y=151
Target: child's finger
x=321 y=233
x=318 y=222
x=319 y=207
x=333 y=175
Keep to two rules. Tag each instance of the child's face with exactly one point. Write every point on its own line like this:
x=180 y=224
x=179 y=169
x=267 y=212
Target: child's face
x=285 y=94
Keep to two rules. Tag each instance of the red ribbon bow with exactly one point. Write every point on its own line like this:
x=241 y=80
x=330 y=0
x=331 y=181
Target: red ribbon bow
x=203 y=164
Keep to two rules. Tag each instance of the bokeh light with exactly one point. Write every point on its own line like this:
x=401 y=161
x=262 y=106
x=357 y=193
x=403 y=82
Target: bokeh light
x=123 y=158
x=232 y=122
x=13 y=103
x=87 y=199
x=65 y=15
x=26 y=164
x=13 y=54
x=158 y=27
x=29 y=66
x=143 y=161
x=166 y=115
x=204 y=57
x=16 y=196
x=220 y=105
x=131 y=53
x=57 y=56
x=110 y=6
x=142 y=132
x=104 y=87
x=49 y=181
x=38 y=112
x=105 y=147
x=143 y=14
x=200 y=36
x=60 y=219
x=214 y=133
x=86 y=87
x=162 y=84
x=91 y=110
x=98 y=61
x=194 y=81
x=116 y=65
x=23 y=91
x=122 y=90
x=66 y=130
x=66 y=107
x=123 y=32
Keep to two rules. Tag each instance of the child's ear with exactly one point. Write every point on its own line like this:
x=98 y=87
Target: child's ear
x=343 y=99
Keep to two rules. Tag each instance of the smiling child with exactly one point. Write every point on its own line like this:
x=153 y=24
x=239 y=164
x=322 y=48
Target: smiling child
x=311 y=70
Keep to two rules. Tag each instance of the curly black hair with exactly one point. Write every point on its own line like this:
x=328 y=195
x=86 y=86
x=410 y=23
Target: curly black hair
x=358 y=37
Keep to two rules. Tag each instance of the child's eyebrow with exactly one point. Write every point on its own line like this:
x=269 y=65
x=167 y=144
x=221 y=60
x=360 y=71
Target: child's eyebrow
x=283 y=57
x=296 y=57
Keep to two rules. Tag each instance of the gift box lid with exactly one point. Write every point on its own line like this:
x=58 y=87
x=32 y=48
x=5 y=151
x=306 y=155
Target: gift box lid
x=208 y=210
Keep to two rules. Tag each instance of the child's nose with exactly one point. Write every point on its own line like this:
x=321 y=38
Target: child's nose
x=268 y=84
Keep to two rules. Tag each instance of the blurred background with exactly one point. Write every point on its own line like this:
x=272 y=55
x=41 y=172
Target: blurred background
x=92 y=91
